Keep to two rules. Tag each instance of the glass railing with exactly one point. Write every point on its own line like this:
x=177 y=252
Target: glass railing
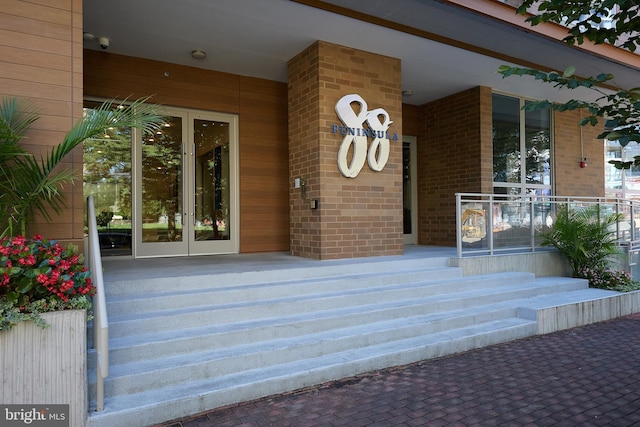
x=489 y=224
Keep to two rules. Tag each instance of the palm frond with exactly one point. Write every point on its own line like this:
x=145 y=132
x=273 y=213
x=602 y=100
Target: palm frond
x=584 y=236
x=15 y=119
x=32 y=186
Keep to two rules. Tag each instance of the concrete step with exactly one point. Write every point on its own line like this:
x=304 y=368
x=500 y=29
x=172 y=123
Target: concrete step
x=123 y=304
x=155 y=405
x=324 y=269
x=179 y=346
x=408 y=295
x=151 y=373
x=167 y=342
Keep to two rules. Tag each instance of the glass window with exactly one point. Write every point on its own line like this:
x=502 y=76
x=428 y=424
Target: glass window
x=506 y=139
x=621 y=183
x=107 y=177
x=537 y=146
x=517 y=132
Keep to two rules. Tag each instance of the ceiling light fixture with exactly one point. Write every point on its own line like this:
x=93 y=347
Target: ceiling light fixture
x=407 y=92
x=198 y=54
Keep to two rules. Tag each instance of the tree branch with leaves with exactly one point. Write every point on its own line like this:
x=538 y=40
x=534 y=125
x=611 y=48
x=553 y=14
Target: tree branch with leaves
x=617 y=108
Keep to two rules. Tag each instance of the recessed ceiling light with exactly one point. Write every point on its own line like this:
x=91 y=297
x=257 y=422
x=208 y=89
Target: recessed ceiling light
x=198 y=54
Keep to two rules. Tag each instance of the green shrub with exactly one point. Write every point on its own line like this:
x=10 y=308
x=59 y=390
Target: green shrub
x=584 y=237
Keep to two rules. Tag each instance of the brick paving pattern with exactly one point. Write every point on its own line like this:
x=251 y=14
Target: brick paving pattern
x=587 y=376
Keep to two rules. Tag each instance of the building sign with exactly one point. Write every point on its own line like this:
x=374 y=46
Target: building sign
x=360 y=125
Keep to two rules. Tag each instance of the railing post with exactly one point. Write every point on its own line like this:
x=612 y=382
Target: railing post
x=632 y=220
x=490 y=229
x=459 y=225
x=100 y=320
x=532 y=226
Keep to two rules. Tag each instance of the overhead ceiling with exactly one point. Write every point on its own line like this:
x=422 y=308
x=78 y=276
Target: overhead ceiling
x=257 y=38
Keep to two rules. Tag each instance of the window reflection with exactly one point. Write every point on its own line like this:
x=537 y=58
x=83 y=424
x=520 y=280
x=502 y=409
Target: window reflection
x=107 y=177
x=162 y=183
x=212 y=219
x=521 y=147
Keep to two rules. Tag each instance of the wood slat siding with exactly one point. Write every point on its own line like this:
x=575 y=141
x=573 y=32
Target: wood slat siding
x=261 y=106
x=41 y=62
x=264 y=171
x=47 y=366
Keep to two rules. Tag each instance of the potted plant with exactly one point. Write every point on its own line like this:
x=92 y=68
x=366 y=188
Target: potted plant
x=29 y=186
x=39 y=276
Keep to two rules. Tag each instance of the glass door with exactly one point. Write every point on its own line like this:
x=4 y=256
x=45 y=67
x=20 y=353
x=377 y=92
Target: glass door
x=409 y=190
x=186 y=202
x=212 y=199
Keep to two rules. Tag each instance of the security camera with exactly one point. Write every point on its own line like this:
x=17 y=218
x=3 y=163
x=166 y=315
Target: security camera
x=104 y=42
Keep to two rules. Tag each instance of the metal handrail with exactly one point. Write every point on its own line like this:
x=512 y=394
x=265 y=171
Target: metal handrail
x=529 y=211
x=100 y=319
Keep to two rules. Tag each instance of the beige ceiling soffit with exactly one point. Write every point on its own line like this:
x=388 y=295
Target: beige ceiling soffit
x=350 y=13
x=507 y=14
x=495 y=10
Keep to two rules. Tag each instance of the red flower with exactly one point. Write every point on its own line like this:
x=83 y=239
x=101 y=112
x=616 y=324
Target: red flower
x=65 y=276
x=29 y=260
x=18 y=241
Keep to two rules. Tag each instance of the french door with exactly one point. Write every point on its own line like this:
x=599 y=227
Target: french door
x=186 y=186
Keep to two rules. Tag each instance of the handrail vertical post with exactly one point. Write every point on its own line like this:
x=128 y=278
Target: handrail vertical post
x=532 y=232
x=100 y=320
x=632 y=220
x=490 y=229
x=459 y=225
x=489 y=224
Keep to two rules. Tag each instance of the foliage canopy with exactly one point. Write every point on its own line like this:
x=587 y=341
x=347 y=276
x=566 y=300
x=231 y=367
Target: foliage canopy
x=618 y=108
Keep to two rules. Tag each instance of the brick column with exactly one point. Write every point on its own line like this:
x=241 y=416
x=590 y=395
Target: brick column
x=359 y=216
x=456 y=157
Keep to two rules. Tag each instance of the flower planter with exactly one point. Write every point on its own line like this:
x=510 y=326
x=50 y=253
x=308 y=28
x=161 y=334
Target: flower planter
x=47 y=366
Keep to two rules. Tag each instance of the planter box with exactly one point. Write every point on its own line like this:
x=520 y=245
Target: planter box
x=47 y=366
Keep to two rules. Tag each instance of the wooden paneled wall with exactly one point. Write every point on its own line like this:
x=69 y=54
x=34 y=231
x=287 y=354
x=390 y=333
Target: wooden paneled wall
x=261 y=106
x=41 y=63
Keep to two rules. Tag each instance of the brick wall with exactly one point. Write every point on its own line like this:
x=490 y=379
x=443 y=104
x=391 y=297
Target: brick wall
x=454 y=155
x=304 y=152
x=41 y=61
x=357 y=217
x=570 y=179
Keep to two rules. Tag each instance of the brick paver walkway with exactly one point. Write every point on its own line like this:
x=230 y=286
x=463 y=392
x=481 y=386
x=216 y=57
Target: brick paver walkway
x=587 y=376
